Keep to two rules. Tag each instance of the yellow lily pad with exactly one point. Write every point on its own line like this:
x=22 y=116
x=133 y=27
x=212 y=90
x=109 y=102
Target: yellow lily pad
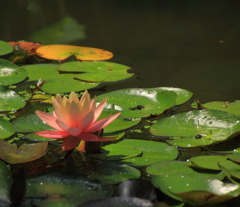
x=61 y=52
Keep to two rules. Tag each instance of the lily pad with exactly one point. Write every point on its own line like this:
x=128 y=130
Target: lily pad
x=70 y=185
x=13 y=154
x=231 y=107
x=136 y=102
x=29 y=123
x=111 y=173
x=61 y=52
x=207 y=162
x=198 y=128
x=11 y=73
x=10 y=100
x=232 y=168
x=5 y=48
x=192 y=187
x=96 y=71
x=6 y=129
x=54 y=82
x=139 y=152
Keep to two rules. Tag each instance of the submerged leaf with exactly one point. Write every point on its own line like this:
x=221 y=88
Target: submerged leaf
x=13 y=154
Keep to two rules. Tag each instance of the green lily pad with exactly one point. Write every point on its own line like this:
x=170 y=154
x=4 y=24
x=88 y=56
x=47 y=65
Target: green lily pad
x=29 y=123
x=138 y=152
x=11 y=73
x=231 y=107
x=5 y=48
x=234 y=157
x=192 y=187
x=151 y=152
x=71 y=185
x=137 y=102
x=13 y=154
x=10 y=100
x=198 y=128
x=54 y=82
x=207 y=162
x=119 y=124
x=35 y=138
x=96 y=71
x=118 y=152
x=111 y=173
x=232 y=168
x=6 y=129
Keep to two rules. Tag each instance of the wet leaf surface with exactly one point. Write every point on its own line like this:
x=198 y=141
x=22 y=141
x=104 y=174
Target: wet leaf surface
x=198 y=128
x=13 y=154
x=11 y=73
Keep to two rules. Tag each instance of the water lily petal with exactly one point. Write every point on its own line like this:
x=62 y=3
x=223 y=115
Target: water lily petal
x=88 y=137
x=49 y=119
x=96 y=126
x=52 y=134
x=87 y=121
x=74 y=131
x=70 y=143
x=75 y=115
x=73 y=97
x=62 y=125
x=98 y=110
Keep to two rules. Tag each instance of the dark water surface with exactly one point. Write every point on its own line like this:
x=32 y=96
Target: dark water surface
x=177 y=43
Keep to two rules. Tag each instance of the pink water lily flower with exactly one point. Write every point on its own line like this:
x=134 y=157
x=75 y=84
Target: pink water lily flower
x=75 y=120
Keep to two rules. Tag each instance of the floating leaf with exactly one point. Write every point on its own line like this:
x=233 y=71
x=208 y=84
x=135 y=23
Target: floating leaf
x=61 y=52
x=64 y=31
x=138 y=152
x=207 y=162
x=74 y=186
x=6 y=129
x=111 y=173
x=55 y=82
x=192 y=187
x=28 y=47
x=9 y=100
x=29 y=123
x=197 y=128
x=231 y=107
x=232 y=168
x=136 y=102
x=11 y=73
x=5 y=48
x=13 y=154
x=96 y=71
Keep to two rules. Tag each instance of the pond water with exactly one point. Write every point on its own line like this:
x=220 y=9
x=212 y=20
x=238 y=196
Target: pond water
x=187 y=44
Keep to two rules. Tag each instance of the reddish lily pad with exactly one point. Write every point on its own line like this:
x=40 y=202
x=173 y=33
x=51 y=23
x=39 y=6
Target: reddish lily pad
x=13 y=154
x=28 y=47
x=61 y=52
